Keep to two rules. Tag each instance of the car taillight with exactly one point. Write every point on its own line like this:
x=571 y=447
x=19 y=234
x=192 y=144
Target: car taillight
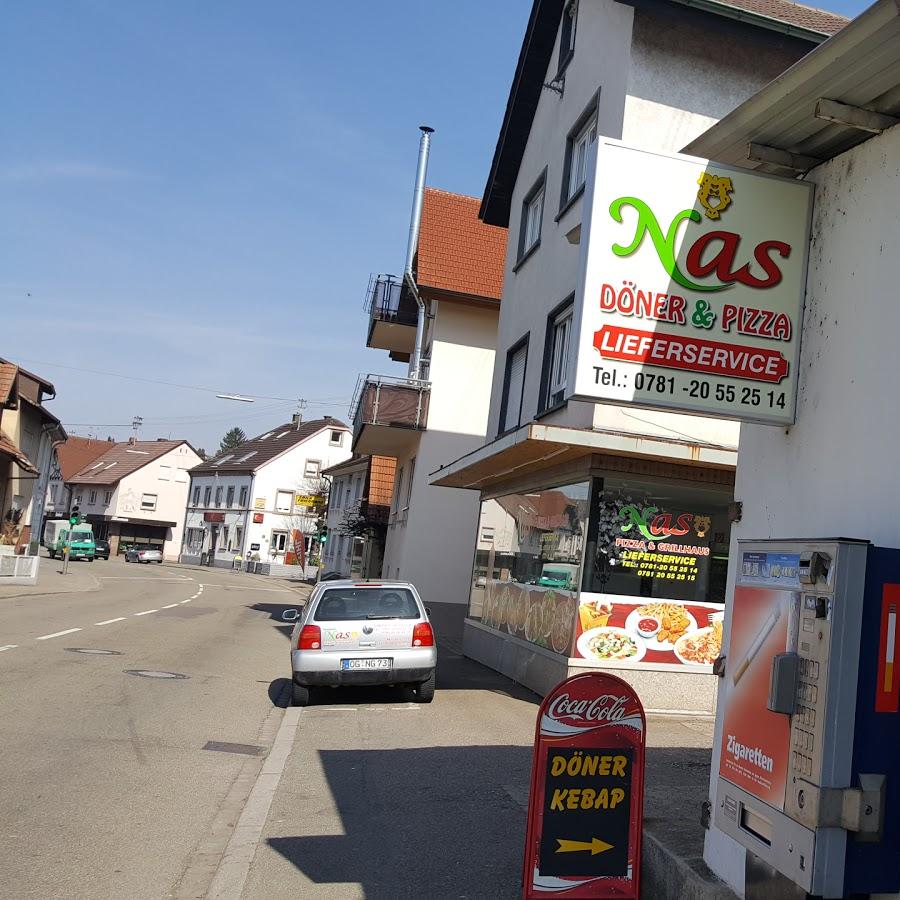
x=423 y=635
x=310 y=638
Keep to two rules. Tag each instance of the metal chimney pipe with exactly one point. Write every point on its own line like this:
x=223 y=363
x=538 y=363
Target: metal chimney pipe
x=415 y=221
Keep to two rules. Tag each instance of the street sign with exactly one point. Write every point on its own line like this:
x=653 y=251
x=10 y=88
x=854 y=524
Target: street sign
x=585 y=810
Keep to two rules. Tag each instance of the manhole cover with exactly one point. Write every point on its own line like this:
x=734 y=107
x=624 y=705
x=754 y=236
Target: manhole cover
x=226 y=747
x=94 y=651
x=154 y=673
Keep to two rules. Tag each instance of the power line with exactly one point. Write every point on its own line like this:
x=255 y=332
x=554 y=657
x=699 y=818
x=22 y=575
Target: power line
x=175 y=384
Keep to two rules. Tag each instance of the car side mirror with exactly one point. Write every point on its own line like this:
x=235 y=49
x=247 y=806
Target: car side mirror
x=290 y=615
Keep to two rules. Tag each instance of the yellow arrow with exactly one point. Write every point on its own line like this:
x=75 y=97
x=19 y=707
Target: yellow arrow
x=595 y=845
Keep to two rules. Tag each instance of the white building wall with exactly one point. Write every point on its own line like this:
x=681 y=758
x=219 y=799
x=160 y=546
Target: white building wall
x=168 y=478
x=660 y=83
x=432 y=543
x=343 y=502
x=835 y=471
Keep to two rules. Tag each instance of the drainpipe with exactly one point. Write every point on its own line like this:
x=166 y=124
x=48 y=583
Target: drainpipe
x=415 y=363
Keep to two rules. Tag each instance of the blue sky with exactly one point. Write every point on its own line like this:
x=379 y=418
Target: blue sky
x=197 y=192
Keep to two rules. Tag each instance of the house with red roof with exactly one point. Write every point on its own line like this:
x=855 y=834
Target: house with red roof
x=437 y=409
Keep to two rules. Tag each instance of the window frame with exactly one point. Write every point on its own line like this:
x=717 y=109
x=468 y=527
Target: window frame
x=196 y=496
x=583 y=124
x=144 y=505
x=318 y=468
x=561 y=312
x=273 y=542
x=218 y=496
x=567 y=36
x=229 y=496
x=92 y=497
x=340 y=438
x=244 y=495
x=523 y=342
x=207 y=495
x=290 y=503
x=538 y=189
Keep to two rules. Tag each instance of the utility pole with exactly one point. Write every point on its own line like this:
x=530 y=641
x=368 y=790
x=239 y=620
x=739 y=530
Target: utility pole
x=136 y=423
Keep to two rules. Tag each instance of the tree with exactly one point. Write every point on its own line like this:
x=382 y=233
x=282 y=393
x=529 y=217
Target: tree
x=234 y=437
x=201 y=453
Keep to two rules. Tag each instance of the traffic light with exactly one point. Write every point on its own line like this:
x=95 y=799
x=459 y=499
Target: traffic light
x=73 y=516
x=323 y=534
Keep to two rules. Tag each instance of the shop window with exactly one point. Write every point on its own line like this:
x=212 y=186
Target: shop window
x=556 y=356
x=238 y=537
x=525 y=583
x=514 y=386
x=283 y=501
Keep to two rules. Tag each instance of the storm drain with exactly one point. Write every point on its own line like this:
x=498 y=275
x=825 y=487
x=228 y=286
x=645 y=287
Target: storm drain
x=93 y=651
x=154 y=673
x=225 y=747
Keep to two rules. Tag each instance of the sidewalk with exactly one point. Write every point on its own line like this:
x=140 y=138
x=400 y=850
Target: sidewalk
x=50 y=580
x=382 y=798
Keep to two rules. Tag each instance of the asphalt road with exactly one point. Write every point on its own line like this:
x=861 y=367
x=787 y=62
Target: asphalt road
x=106 y=789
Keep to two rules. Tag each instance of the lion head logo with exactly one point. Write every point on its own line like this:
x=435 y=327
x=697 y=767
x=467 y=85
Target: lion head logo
x=714 y=194
x=702 y=524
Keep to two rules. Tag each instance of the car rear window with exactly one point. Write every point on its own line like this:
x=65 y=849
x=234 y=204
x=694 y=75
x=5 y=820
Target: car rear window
x=341 y=604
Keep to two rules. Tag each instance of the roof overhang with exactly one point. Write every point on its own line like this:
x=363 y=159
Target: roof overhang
x=839 y=95
x=535 y=446
x=9 y=449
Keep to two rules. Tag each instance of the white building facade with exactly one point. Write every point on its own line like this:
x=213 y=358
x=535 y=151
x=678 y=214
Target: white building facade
x=651 y=75
x=260 y=502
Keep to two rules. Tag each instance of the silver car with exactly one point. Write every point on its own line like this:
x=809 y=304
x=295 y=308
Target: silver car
x=143 y=555
x=362 y=633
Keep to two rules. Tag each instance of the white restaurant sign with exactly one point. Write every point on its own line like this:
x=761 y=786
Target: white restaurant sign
x=690 y=291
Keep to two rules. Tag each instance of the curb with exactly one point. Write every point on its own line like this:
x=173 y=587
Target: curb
x=667 y=876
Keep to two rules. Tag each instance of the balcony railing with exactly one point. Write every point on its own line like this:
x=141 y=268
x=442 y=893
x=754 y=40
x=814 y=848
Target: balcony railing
x=382 y=404
x=393 y=315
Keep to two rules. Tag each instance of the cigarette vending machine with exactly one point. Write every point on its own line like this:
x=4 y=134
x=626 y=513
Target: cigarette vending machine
x=809 y=761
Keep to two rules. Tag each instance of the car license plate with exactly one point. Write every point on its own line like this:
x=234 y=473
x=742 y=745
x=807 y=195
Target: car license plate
x=366 y=663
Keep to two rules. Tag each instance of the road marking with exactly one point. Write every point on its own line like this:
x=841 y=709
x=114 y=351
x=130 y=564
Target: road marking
x=170 y=606
x=230 y=877
x=110 y=621
x=8 y=647
x=146 y=612
x=188 y=600
x=135 y=578
x=46 y=637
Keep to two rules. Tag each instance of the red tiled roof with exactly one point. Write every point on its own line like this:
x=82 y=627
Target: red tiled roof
x=457 y=251
x=122 y=459
x=818 y=20
x=77 y=452
x=8 y=448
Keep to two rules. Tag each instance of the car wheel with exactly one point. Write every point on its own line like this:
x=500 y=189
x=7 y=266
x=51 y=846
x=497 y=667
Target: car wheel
x=299 y=694
x=425 y=690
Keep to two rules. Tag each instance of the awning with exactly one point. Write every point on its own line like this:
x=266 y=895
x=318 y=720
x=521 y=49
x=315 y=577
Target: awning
x=10 y=450
x=534 y=447
x=131 y=521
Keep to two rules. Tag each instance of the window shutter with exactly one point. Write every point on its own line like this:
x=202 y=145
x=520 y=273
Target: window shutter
x=514 y=386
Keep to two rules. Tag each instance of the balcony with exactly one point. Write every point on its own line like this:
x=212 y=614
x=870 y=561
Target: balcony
x=392 y=316
x=388 y=414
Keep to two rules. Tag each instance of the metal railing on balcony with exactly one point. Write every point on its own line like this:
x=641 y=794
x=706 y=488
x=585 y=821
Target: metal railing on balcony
x=387 y=301
x=389 y=401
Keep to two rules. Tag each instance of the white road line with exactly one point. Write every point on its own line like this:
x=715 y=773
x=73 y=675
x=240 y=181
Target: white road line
x=170 y=606
x=46 y=637
x=146 y=612
x=228 y=883
x=136 y=578
x=110 y=621
x=8 y=647
x=188 y=600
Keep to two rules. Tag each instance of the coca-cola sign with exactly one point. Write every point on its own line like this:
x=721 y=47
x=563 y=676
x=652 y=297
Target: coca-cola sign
x=583 y=836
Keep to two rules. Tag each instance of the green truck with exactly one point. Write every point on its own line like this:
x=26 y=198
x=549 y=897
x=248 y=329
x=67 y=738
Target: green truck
x=58 y=534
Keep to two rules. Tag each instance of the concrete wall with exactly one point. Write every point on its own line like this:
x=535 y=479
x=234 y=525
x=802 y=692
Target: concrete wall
x=834 y=471
x=432 y=543
x=663 y=78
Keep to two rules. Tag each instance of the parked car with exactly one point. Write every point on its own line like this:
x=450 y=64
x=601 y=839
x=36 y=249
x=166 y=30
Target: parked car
x=143 y=555
x=332 y=576
x=362 y=633
x=101 y=549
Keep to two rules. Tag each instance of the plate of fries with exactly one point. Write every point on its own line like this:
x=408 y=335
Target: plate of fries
x=674 y=622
